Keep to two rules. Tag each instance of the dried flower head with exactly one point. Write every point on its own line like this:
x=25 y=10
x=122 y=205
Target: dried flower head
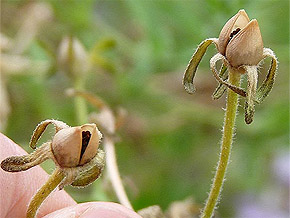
x=75 y=151
x=240 y=47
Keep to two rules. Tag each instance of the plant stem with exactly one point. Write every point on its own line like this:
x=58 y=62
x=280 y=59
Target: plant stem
x=43 y=192
x=114 y=174
x=228 y=131
x=80 y=104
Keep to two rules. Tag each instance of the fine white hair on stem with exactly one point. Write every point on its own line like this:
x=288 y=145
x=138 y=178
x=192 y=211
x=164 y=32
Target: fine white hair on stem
x=114 y=174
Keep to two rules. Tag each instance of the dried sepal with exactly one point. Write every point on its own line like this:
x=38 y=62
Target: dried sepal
x=193 y=64
x=84 y=175
x=268 y=83
x=213 y=61
x=251 y=93
x=25 y=162
x=91 y=171
x=221 y=88
x=70 y=175
x=58 y=125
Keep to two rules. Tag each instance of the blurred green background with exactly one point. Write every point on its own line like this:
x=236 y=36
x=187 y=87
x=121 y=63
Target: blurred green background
x=138 y=51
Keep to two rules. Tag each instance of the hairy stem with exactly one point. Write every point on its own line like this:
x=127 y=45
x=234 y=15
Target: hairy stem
x=80 y=104
x=43 y=192
x=113 y=171
x=228 y=131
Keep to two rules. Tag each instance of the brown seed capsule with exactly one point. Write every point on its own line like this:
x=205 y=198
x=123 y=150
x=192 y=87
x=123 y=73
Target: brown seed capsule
x=240 y=41
x=240 y=20
x=76 y=146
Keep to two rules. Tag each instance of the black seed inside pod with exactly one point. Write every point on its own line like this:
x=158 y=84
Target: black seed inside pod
x=86 y=135
x=235 y=32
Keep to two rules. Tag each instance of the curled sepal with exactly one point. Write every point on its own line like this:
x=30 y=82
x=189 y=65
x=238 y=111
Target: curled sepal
x=40 y=129
x=213 y=61
x=86 y=174
x=25 y=162
x=251 y=93
x=91 y=172
x=193 y=64
x=268 y=83
x=220 y=90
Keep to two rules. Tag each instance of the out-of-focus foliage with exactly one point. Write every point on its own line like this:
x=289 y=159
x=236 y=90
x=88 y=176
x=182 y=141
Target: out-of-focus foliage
x=138 y=51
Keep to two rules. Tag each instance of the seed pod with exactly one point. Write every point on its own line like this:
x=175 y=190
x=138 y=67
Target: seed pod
x=240 y=41
x=240 y=20
x=76 y=146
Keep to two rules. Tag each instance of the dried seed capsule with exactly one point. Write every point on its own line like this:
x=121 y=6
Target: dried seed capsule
x=76 y=146
x=240 y=41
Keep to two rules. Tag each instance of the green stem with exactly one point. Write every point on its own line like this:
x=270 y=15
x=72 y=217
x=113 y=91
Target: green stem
x=80 y=104
x=228 y=131
x=43 y=192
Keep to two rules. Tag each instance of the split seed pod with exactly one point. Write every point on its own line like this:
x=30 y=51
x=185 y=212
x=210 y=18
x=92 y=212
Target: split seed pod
x=240 y=41
x=76 y=146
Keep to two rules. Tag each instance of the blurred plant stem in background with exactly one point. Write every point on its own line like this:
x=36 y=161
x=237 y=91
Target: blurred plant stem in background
x=108 y=124
x=74 y=61
x=114 y=174
x=80 y=104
